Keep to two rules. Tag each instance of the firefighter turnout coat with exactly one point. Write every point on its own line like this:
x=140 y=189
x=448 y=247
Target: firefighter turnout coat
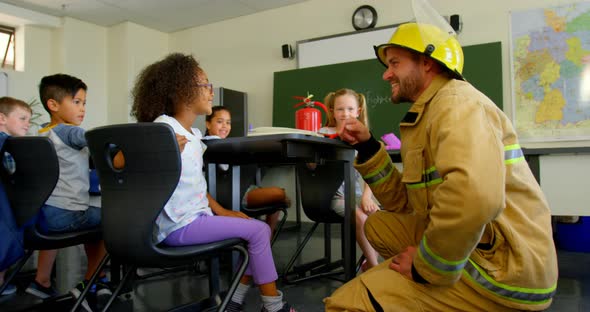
x=487 y=221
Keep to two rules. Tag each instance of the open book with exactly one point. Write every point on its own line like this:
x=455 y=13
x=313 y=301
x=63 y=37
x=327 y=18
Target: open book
x=279 y=130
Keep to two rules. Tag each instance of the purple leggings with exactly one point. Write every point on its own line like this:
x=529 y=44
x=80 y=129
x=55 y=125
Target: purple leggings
x=207 y=229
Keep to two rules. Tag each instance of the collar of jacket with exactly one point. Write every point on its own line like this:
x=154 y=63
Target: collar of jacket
x=415 y=112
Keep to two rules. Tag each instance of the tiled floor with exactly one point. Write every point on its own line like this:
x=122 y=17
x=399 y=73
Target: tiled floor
x=164 y=292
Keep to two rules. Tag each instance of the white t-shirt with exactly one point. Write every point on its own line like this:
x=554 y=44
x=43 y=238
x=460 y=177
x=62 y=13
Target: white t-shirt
x=189 y=200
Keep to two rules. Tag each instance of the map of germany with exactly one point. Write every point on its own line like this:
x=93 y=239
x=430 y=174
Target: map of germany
x=551 y=70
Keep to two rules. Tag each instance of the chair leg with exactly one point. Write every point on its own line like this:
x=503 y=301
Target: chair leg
x=129 y=273
x=359 y=263
x=17 y=269
x=279 y=226
x=214 y=277
x=237 y=277
x=92 y=280
x=298 y=252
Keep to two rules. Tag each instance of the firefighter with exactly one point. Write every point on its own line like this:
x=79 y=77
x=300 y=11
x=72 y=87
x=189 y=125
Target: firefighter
x=465 y=226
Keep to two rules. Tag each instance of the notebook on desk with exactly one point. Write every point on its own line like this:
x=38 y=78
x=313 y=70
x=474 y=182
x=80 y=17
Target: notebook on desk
x=279 y=130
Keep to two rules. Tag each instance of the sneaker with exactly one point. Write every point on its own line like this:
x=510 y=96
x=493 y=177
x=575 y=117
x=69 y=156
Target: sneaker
x=233 y=306
x=286 y=308
x=77 y=291
x=9 y=290
x=40 y=291
x=102 y=287
x=103 y=292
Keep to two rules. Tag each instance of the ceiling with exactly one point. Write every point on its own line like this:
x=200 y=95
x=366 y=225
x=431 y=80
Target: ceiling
x=163 y=15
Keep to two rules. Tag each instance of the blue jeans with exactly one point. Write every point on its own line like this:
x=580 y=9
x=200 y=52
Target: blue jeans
x=57 y=220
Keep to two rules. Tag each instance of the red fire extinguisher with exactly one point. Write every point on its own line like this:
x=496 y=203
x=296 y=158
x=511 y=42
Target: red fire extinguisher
x=309 y=117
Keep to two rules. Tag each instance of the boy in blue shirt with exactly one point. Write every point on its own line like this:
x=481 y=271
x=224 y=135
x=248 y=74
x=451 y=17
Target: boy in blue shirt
x=15 y=118
x=68 y=207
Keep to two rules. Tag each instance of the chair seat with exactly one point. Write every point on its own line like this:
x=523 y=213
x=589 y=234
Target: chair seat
x=177 y=255
x=38 y=241
x=189 y=252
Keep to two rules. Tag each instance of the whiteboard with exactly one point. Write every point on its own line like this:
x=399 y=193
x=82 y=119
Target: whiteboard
x=348 y=47
x=3 y=84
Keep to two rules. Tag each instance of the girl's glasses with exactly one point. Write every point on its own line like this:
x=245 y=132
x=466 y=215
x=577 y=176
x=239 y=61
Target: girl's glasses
x=206 y=85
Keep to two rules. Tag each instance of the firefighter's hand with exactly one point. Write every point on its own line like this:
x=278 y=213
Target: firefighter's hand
x=402 y=262
x=353 y=131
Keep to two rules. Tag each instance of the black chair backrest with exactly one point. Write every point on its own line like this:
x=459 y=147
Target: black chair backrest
x=35 y=177
x=317 y=187
x=132 y=197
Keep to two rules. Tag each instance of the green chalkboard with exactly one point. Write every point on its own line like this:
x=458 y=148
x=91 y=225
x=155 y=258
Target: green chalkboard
x=483 y=69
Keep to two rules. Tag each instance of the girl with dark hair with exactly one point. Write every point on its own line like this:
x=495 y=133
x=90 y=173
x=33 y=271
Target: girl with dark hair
x=175 y=91
x=218 y=125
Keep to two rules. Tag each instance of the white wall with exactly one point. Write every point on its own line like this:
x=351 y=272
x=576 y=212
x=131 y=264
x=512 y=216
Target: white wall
x=84 y=55
x=131 y=48
x=118 y=68
x=564 y=182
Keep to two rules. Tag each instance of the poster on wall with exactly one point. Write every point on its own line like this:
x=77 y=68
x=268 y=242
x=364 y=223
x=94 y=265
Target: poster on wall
x=3 y=84
x=550 y=55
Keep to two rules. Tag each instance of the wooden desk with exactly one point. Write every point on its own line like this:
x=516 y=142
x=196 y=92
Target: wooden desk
x=287 y=149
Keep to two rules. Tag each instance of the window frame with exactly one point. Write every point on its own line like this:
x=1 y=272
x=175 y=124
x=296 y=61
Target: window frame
x=11 y=32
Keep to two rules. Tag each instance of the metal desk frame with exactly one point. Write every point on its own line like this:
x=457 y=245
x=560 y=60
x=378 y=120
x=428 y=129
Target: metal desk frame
x=285 y=149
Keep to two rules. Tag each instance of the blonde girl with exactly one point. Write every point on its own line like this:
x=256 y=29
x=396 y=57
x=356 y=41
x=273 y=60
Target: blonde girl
x=342 y=105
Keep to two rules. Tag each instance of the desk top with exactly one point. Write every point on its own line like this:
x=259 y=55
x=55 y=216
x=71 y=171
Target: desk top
x=276 y=148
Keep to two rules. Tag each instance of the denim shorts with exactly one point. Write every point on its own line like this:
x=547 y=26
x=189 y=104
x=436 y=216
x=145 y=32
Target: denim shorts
x=57 y=220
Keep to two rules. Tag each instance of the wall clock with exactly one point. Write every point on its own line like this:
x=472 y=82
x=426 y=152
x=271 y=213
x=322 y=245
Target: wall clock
x=364 y=17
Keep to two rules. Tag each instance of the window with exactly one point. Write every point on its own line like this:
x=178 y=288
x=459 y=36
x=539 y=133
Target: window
x=7 y=46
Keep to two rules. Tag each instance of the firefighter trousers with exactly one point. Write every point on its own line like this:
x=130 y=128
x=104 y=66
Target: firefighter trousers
x=390 y=233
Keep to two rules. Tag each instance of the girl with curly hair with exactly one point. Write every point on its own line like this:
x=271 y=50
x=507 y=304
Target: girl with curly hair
x=175 y=91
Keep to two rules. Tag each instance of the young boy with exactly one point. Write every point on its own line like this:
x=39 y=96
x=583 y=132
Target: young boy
x=68 y=209
x=15 y=118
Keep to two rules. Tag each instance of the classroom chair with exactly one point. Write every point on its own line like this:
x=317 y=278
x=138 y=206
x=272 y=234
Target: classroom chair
x=35 y=177
x=134 y=196
x=316 y=188
x=249 y=174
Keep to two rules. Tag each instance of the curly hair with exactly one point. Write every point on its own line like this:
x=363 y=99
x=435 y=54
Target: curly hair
x=165 y=85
